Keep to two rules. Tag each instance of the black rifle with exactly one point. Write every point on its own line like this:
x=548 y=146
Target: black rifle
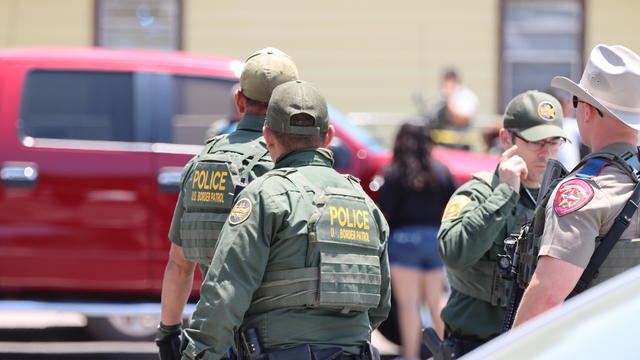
x=509 y=263
x=508 y=266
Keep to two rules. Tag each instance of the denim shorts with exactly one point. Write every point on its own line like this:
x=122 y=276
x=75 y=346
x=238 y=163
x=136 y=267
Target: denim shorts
x=415 y=246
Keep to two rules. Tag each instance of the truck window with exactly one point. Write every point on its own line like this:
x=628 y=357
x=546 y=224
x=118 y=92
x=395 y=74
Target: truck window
x=201 y=107
x=82 y=105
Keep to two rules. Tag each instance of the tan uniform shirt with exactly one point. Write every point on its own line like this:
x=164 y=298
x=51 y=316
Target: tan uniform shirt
x=582 y=209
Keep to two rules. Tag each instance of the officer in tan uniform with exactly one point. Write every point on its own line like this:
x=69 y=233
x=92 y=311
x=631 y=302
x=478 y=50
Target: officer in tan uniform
x=584 y=206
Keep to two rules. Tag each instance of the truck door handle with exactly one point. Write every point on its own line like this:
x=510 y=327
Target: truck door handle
x=169 y=178
x=17 y=173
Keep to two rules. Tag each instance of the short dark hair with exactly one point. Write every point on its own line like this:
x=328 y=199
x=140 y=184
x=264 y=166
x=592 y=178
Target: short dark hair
x=451 y=74
x=295 y=141
x=255 y=105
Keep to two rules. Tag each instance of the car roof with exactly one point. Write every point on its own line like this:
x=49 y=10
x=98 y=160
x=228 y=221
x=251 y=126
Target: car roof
x=600 y=323
x=131 y=60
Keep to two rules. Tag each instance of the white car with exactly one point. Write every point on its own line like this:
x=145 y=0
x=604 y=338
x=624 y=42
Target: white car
x=601 y=323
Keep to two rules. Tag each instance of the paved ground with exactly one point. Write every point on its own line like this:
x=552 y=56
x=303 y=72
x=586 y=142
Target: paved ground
x=53 y=335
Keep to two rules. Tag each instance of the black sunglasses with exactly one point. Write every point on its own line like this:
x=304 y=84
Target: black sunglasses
x=576 y=101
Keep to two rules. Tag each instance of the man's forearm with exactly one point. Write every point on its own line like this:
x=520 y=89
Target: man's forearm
x=534 y=302
x=176 y=288
x=547 y=288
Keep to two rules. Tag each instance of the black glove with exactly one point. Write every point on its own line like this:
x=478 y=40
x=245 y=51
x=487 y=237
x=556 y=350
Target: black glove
x=168 y=341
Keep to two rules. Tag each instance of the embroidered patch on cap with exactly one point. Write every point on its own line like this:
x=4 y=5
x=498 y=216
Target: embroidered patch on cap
x=240 y=211
x=571 y=196
x=547 y=111
x=454 y=207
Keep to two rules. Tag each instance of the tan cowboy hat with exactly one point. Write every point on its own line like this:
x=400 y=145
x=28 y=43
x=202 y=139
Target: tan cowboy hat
x=610 y=82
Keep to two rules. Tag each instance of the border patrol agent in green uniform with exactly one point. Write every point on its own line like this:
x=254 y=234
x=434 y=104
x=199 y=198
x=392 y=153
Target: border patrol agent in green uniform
x=487 y=209
x=300 y=270
x=209 y=183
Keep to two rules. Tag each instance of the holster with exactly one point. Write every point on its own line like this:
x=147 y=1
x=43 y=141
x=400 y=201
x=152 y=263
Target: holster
x=441 y=350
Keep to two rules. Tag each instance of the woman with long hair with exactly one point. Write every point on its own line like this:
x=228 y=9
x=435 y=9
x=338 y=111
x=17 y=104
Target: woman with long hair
x=414 y=194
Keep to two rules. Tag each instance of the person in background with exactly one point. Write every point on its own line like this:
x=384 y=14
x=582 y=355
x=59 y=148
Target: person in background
x=458 y=104
x=229 y=124
x=454 y=112
x=414 y=194
x=570 y=154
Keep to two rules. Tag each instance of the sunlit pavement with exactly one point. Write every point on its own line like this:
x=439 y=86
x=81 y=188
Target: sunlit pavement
x=57 y=335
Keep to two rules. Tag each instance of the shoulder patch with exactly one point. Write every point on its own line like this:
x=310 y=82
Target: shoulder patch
x=571 y=196
x=240 y=211
x=454 y=207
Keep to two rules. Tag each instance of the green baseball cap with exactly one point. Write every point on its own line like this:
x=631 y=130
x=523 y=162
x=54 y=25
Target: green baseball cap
x=263 y=71
x=536 y=116
x=297 y=97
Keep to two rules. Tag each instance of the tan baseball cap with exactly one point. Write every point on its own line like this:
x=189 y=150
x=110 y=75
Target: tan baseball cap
x=297 y=97
x=263 y=71
x=536 y=116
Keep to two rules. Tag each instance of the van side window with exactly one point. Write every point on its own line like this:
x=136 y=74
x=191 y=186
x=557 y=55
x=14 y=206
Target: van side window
x=82 y=105
x=201 y=107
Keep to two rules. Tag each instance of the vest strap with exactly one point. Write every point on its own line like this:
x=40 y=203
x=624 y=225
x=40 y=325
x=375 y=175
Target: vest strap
x=247 y=170
x=608 y=242
x=630 y=163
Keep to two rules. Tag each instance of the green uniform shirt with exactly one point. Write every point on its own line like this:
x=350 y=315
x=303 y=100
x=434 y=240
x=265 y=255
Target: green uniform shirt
x=249 y=129
x=477 y=219
x=271 y=235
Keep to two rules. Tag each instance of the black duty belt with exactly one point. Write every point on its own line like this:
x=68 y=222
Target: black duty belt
x=304 y=352
x=464 y=344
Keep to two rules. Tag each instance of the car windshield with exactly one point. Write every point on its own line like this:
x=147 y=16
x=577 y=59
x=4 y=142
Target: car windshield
x=356 y=132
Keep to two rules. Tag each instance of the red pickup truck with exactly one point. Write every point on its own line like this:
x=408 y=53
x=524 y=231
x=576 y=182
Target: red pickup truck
x=92 y=142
